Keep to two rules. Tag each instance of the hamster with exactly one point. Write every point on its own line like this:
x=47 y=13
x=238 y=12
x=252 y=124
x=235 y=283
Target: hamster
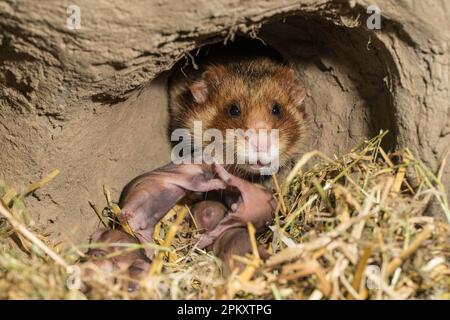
x=147 y=198
x=114 y=258
x=231 y=242
x=207 y=214
x=256 y=94
x=256 y=205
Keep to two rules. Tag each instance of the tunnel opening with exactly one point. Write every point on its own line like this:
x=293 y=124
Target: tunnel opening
x=345 y=70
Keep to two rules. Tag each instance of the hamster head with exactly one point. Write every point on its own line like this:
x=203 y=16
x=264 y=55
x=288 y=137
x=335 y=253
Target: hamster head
x=258 y=103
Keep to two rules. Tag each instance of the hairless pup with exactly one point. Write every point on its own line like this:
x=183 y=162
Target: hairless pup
x=121 y=259
x=148 y=197
x=255 y=205
x=234 y=241
x=207 y=214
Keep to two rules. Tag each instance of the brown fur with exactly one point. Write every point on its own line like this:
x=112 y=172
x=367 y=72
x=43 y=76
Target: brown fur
x=255 y=85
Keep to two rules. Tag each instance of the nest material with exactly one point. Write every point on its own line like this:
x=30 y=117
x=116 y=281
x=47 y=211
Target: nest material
x=348 y=228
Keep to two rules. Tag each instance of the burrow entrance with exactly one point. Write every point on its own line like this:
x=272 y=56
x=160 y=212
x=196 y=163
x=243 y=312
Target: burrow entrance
x=346 y=71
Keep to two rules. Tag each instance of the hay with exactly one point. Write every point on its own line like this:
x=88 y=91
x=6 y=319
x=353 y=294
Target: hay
x=347 y=228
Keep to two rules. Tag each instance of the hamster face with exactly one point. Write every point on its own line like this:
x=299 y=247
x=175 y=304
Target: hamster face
x=258 y=103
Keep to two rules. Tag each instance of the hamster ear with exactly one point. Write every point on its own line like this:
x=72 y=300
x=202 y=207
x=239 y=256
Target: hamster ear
x=296 y=89
x=199 y=90
x=294 y=86
x=298 y=94
x=210 y=79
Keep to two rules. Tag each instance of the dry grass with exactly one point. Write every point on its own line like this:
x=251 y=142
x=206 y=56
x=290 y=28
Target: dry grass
x=348 y=228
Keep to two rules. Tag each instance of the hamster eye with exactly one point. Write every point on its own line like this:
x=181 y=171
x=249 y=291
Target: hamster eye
x=276 y=109
x=234 y=110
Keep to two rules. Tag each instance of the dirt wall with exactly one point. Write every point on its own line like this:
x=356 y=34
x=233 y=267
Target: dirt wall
x=92 y=102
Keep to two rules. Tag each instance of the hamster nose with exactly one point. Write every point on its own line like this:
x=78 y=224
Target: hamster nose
x=262 y=141
x=260 y=138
